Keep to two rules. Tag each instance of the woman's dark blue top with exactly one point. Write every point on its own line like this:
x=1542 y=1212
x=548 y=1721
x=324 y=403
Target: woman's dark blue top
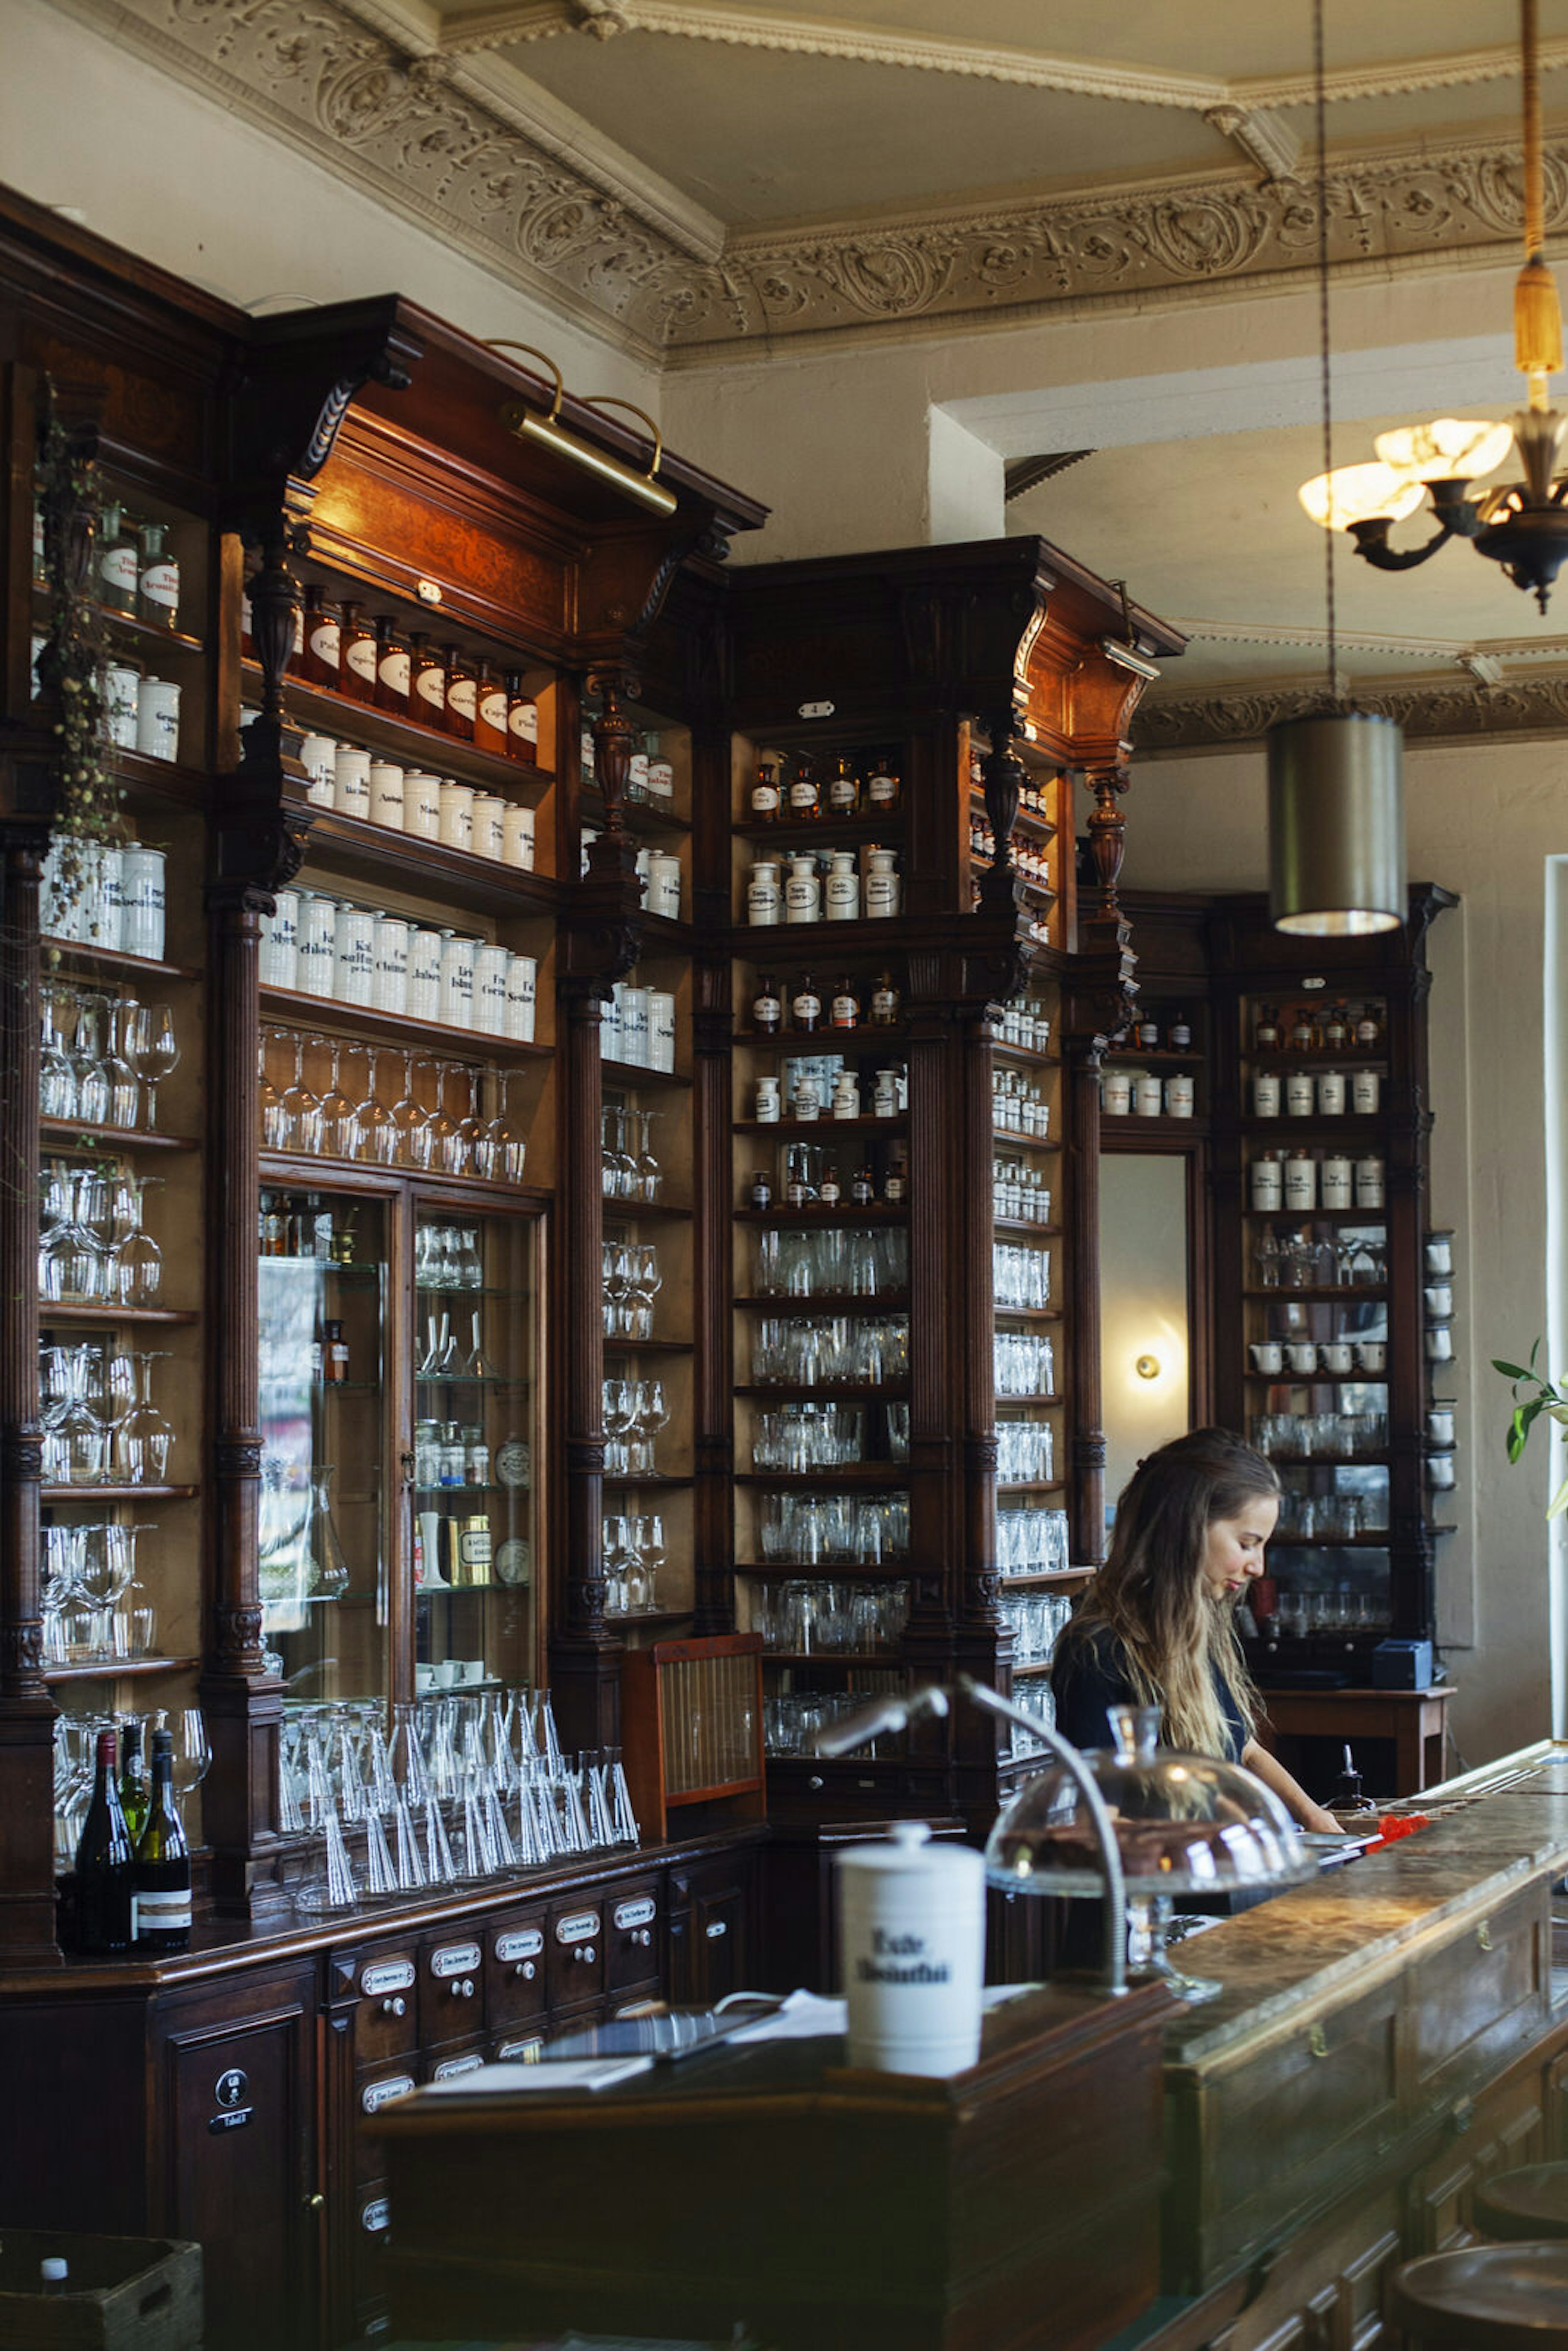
x=1090 y=1673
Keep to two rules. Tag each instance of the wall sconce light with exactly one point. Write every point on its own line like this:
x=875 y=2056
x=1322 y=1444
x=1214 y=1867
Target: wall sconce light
x=529 y=426
x=1148 y=1367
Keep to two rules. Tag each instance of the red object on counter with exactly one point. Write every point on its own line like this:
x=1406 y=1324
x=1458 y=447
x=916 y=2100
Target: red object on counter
x=1400 y=1824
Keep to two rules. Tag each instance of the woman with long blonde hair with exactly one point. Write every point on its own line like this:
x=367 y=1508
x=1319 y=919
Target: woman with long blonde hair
x=1157 y=1625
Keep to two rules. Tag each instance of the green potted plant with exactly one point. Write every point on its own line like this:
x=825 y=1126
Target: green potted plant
x=1542 y=1396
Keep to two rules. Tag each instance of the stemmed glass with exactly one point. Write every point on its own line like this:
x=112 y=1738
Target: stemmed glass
x=653 y=1413
x=301 y=1109
x=408 y=1115
x=619 y=1418
x=87 y=1062
x=340 y=1131
x=274 y=1129
x=119 y=1051
x=647 y=1174
x=374 y=1121
x=615 y=1167
x=468 y=1139
x=136 y=1264
x=57 y=1079
x=154 y=1050
x=143 y=1438
x=505 y=1149
x=439 y=1127
x=645 y=1287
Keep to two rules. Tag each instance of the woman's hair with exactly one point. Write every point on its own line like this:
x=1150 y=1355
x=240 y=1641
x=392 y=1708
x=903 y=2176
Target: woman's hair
x=1150 y=1594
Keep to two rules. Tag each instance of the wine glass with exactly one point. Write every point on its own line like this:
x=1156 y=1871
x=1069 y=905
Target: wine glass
x=86 y=1062
x=468 y=1140
x=143 y=1438
x=273 y=1132
x=124 y=1092
x=192 y=1754
x=504 y=1149
x=57 y=1079
x=647 y=1173
x=652 y=1415
x=439 y=1127
x=375 y=1122
x=301 y=1109
x=137 y=1261
x=154 y=1050
x=408 y=1115
x=340 y=1134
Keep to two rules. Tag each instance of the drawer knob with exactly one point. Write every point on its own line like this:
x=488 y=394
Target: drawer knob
x=524 y=1968
x=584 y=1954
x=314 y=2203
x=463 y=1987
x=394 y=2006
x=1484 y=1936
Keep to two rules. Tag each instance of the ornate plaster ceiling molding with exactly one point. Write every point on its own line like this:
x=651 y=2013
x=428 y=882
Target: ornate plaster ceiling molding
x=1436 y=710
x=966 y=264
x=459 y=145
x=410 y=132
x=501 y=24
x=1371 y=640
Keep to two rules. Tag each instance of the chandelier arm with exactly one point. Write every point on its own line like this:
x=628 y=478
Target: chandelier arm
x=1372 y=541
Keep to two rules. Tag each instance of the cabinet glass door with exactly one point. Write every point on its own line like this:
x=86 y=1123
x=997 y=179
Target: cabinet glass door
x=476 y=1448
x=323 y=1538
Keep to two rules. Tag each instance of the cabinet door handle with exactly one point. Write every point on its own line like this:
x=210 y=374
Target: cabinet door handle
x=1318 y=2042
x=1484 y=1936
x=314 y=2203
x=716 y=1929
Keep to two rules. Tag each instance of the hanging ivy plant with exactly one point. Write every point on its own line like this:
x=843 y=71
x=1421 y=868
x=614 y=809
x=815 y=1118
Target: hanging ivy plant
x=70 y=668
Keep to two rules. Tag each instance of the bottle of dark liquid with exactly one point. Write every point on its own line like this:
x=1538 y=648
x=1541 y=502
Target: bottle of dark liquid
x=461 y=694
x=356 y=663
x=321 y=658
x=843 y=790
x=1266 y=1034
x=427 y=689
x=846 y=1007
x=133 y=1797
x=806 y=1006
x=766 y=1007
x=761 y=1190
x=161 y=1906
x=885 y=1002
x=104 y=1865
x=334 y=1355
x=805 y=794
x=1178 y=1033
x=1336 y=1026
x=830 y=1191
x=394 y=665
x=765 y=795
x=863 y=1188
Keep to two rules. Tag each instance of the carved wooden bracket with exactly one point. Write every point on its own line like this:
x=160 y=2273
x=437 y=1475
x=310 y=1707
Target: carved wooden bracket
x=613 y=738
x=1107 y=832
x=1002 y=774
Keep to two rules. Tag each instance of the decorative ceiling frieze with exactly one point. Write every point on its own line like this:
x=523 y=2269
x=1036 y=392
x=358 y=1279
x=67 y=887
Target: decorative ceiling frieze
x=1452 y=710
x=429 y=135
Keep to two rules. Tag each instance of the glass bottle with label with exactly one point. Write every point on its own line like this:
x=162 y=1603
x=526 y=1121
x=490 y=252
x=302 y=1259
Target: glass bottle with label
x=1146 y=1033
x=766 y=1009
x=160 y=1878
x=1370 y=1032
x=806 y=1006
x=805 y=794
x=896 y=1190
x=427 y=698
x=394 y=665
x=1303 y=1036
x=846 y=1009
x=1178 y=1033
x=522 y=721
x=885 y=1002
x=863 y=1190
x=843 y=790
x=334 y=1354
x=883 y=791
x=761 y=1191
x=489 y=712
x=462 y=695
x=158 y=583
x=1336 y=1026
x=1265 y=1032
x=356 y=667
x=321 y=654
x=119 y=563
x=765 y=794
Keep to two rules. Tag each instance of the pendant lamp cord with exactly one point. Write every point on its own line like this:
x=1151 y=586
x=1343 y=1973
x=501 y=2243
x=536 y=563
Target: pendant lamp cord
x=1321 y=111
x=1534 y=177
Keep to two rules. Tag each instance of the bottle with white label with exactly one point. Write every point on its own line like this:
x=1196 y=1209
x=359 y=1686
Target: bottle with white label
x=161 y=1879
x=120 y=564
x=1365 y=1092
x=762 y=893
x=844 y=888
x=1269 y=1182
x=1300 y=1181
x=768 y=1110
x=765 y=794
x=1266 y=1094
x=882 y=885
x=803 y=892
x=158 y=583
x=1369 y=1183
x=1336 y=1181
x=1299 y=1094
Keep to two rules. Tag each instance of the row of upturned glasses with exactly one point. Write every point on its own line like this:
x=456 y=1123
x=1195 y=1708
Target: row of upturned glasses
x=102 y=1056
x=818 y=1529
x=813 y=1350
x=94 y=1248
x=844 y=1261
x=100 y=1425
x=389 y=1107
x=630 y=1171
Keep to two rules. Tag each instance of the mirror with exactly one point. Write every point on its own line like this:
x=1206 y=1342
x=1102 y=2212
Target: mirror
x=1144 y=1339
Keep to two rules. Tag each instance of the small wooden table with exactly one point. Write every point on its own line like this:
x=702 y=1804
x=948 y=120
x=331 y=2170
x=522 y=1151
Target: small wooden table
x=1415 y=1720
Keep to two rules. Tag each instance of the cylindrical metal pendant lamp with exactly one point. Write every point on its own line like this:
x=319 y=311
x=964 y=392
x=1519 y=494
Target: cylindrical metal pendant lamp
x=1336 y=825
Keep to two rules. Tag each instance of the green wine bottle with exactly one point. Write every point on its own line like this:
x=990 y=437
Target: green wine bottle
x=163 y=1878
x=132 y=1783
x=103 y=1865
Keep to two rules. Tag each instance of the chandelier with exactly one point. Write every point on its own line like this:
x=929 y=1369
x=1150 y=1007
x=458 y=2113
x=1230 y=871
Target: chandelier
x=1522 y=525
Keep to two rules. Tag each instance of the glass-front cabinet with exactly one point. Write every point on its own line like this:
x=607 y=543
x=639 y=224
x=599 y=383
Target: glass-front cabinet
x=398 y=1380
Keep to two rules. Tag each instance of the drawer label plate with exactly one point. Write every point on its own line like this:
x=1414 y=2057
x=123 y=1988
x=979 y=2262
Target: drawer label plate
x=640 y=1913
x=450 y=2068
x=581 y=1927
x=386 y=1975
x=526 y=1944
x=454 y=1959
x=377 y=2095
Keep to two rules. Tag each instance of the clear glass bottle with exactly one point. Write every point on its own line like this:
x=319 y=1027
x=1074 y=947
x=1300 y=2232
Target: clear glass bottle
x=120 y=561
x=158 y=581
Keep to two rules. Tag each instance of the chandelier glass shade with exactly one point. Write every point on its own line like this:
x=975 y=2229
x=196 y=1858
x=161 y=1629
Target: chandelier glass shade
x=1522 y=525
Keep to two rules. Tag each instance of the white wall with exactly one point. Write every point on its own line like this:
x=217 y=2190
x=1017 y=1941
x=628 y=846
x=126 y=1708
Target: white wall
x=1484 y=821
x=172 y=175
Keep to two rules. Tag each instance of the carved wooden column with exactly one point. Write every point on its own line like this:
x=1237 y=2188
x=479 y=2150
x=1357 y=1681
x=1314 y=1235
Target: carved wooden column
x=1099 y=1013
x=258 y=846
x=599 y=947
x=26 y=1710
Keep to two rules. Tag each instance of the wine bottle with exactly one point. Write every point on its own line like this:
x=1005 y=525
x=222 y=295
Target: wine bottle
x=162 y=1904
x=133 y=1799
x=104 y=1865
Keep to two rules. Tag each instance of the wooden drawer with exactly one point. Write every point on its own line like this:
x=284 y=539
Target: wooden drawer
x=515 y=1970
x=372 y=2226
x=574 y=1953
x=372 y=2094
x=1319 y=2098
x=451 y=1989
x=634 y=1936
x=518 y=2046
x=386 y=2022
x=453 y=2063
x=1473 y=2000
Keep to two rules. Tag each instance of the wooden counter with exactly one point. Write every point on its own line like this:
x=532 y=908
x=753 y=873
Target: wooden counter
x=1387 y=2034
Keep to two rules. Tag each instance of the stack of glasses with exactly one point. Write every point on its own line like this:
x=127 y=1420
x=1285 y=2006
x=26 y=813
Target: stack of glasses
x=468 y=1788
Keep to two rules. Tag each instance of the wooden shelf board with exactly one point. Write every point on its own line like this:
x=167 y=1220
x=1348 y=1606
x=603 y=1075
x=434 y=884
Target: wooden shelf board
x=120 y=1668
x=1026 y=1055
x=642 y=1477
x=831 y=1301
x=635 y=1212
x=864 y=1037
x=631 y=1076
x=325 y=1015
x=49 y=1312
x=376 y=853
x=1378 y=1217
x=823 y=1220
x=875 y=1476
x=1023 y=1225
x=63 y=1494
x=809 y=1130
x=845 y=1569
x=1031 y=1486
x=315 y=710
x=68 y=1134
x=791 y=835
x=1046 y=1578
x=845 y=1390
x=1005 y=1134
x=1029 y=1313
x=73 y=955
x=1317 y=1064
x=881 y=1658
x=647 y=1346
x=641 y=816
x=1353 y=1293
x=160 y=780
x=1157 y=1056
